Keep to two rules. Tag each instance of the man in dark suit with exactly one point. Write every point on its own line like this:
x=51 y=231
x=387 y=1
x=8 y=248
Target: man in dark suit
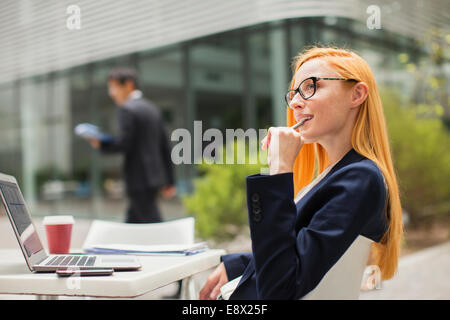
x=142 y=138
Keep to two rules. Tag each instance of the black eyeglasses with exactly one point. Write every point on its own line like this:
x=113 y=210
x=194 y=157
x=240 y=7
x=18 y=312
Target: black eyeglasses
x=307 y=88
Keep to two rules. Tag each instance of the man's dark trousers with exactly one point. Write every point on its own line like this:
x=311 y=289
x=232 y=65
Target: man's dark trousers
x=143 y=206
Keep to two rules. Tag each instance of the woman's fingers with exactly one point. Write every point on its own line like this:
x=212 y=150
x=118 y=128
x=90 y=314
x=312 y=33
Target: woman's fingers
x=215 y=281
x=283 y=149
x=265 y=142
x=215 y=292
x=209 y=286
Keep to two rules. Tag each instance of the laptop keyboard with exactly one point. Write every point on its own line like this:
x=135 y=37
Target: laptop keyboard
x=71 y=261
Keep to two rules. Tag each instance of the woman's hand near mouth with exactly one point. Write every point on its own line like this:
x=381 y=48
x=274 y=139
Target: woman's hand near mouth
x=283 y=146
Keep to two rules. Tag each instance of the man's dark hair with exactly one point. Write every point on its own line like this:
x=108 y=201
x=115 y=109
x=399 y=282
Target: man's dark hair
x=122 y=74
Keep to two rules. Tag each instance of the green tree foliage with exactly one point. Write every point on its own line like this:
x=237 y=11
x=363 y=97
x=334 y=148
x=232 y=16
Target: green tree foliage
x=428 y=72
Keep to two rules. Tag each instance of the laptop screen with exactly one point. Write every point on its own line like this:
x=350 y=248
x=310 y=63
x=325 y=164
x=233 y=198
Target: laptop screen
x=14 y=201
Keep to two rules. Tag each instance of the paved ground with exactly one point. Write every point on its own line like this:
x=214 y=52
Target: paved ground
x=421 y=275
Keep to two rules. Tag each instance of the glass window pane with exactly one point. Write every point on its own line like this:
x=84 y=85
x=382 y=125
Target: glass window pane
x=216 y=65
x=260 y=77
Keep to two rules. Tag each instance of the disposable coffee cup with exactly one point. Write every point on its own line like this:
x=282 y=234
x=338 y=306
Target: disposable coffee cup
x=59 y=233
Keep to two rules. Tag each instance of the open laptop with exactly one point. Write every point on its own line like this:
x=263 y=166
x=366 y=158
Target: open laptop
x=35 y=255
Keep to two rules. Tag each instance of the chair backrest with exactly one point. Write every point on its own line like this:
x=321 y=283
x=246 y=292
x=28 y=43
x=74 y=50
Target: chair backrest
x=180 y=231
x=343 y=280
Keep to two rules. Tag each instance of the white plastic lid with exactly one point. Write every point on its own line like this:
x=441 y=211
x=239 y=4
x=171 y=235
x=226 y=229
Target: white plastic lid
x=58 y=220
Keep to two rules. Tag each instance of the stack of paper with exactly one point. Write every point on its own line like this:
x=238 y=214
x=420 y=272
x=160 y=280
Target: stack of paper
x=165 y=249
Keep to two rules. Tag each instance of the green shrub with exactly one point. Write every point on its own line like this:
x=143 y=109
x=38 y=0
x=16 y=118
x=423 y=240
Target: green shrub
x=219 y=202
x=421 y=154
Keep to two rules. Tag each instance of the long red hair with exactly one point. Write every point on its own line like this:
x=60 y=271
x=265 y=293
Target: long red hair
x=369 y=138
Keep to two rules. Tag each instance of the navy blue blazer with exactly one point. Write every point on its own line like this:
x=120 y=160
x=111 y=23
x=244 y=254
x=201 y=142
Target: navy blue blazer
x=295 y=245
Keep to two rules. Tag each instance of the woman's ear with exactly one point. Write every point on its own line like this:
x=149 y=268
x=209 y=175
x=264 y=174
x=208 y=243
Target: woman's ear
x=359 y=94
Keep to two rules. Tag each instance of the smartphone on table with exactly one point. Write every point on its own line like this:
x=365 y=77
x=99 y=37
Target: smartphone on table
x=67 y=272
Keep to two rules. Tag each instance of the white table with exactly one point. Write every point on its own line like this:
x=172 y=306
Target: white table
x=156 y=272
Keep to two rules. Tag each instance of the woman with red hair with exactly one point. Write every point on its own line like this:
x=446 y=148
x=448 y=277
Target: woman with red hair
x=331 y=184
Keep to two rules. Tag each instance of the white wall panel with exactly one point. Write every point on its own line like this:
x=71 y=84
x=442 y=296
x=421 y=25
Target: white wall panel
x=34 y=38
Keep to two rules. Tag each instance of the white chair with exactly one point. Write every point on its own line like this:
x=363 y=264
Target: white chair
x=180 y=231
x=343 y=280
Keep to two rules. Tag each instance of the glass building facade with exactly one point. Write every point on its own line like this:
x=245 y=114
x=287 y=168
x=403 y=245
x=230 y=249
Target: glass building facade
x=234 y=79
